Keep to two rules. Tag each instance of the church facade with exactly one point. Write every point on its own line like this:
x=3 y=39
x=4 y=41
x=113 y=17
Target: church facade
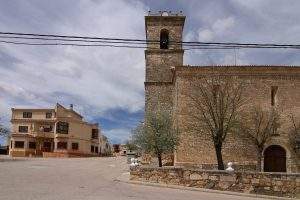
x=168 y=81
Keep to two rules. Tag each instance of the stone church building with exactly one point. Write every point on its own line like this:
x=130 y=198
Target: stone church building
x=168 y=80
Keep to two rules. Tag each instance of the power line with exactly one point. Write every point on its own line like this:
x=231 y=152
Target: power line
x=72 y=40
x=67 y=44
x=148 y=41
x=94 y=45
x=65 y=40
x=79 y=37
x=137 y=47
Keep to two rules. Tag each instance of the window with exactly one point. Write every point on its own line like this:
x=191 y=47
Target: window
x=95 y=133
x=32 y=145
x=23 y=129
x=62 y=145
x=164 y=39
x=62 y=127
x=27 y=114
x=19 y=144
x=48 y=115
x=92 y=149
x=96 y=150
x=75 y=146
x=273 y=95
x=47 y=128
x=216 y=91
x=11 y=144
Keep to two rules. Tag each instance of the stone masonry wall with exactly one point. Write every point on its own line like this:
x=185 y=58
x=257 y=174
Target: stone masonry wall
x=197 y=148
x=277 y=184
x=159 y=76
x=158 y=96
x=160 y=62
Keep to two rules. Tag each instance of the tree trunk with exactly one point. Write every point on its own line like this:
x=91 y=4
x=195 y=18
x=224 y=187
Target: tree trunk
x=159 y=160
x=259 y=158
x=218 y=149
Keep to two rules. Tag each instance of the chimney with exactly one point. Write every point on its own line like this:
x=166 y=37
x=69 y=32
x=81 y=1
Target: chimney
x=71 y=106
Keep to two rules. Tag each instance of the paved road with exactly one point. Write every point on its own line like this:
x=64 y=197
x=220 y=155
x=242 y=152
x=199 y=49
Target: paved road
x=82 y=178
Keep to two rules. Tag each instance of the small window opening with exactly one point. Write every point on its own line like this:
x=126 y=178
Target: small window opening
x=48 y=115
x=216 y=90
x=273 y=95
x=75 y=146
x=27 y=114
x=164 y=39
x=23 y=129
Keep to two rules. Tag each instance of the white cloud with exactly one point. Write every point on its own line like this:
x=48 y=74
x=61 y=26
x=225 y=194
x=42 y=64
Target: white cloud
x=245 y=21
x=118 y=135
x=206 y=35
x=223 y=25
x=220 y=27
x=100 y=78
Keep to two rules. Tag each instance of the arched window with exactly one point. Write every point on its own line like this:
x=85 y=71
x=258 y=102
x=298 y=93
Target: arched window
x=164 y=39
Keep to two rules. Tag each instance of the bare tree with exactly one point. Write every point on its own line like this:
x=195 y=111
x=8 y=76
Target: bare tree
x=156 y=136
x=4 y=132
x=216 y=102
x=260 y=125
x=294 y=134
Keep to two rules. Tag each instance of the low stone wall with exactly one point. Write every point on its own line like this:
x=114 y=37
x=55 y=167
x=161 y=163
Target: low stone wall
x=65 y=154
x=277 y=184
x=239 y=167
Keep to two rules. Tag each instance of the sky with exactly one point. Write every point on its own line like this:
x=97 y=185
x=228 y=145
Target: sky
x=106 y=84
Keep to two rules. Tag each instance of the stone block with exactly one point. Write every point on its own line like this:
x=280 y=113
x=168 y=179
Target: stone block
x=210 y=185
x=267 y=188
x=195 y=177
x=255 y=181
x=213 y=178
x=204 y=176
x=245 y=180
x=224 y=185
x=278 y=183
x=276 y=188
x=230 y=178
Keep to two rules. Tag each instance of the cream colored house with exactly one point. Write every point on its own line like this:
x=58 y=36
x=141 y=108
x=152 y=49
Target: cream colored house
x=57 y=132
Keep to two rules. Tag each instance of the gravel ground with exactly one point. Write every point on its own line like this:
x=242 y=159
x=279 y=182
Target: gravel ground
x=81 y=178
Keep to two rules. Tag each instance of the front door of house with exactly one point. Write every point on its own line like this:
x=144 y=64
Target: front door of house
x=47 y=146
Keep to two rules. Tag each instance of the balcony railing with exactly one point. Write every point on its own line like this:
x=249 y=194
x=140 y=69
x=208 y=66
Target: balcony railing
x=42 y=134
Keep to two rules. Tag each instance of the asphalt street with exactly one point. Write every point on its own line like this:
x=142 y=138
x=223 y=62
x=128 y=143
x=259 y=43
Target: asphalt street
x=82 y=178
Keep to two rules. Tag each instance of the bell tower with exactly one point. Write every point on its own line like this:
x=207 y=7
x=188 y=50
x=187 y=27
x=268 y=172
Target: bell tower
x=164 y=51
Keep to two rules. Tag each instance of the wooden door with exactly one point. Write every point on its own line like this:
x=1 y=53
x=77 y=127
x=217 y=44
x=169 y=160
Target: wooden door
x=275 y=159
x=47 y=146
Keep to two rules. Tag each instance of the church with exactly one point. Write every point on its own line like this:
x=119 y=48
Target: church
x=168 y=80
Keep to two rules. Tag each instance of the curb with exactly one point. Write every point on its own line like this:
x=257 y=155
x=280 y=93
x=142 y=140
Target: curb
x=202 y=190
